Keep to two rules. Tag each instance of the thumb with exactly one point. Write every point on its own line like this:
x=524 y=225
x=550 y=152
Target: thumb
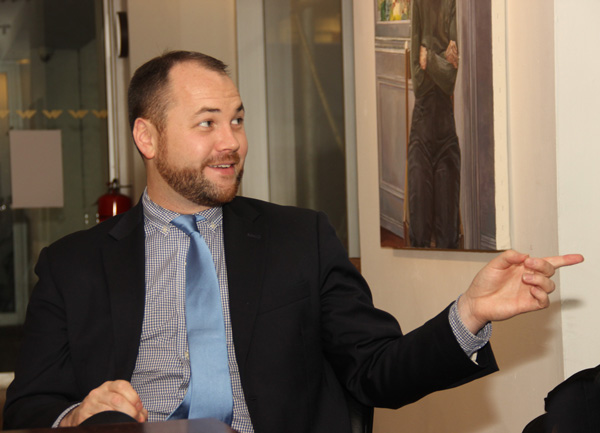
x=508 y=258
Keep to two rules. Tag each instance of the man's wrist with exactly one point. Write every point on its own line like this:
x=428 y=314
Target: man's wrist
x=469 y=342
x=65 y=416
x=469 y=320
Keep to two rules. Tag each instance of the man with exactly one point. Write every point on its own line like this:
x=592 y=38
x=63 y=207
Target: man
x=106 y=325
x=433 y=151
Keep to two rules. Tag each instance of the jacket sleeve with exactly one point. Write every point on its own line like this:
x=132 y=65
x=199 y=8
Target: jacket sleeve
x=372 y=358
x=44 y=384
x=442 y=72
x=83 y=320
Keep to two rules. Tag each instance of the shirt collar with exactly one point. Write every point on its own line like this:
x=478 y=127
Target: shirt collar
x=159 y=216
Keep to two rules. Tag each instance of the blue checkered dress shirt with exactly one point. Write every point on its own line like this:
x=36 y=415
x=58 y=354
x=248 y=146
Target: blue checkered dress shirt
x=162 y=370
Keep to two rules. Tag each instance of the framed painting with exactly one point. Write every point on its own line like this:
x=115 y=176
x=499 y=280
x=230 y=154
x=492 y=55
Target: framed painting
x=441 y=121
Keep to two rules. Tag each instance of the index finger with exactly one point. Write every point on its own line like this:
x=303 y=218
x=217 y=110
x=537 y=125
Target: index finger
x=565 y=260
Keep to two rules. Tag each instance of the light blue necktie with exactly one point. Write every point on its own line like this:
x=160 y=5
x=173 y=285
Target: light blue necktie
x=209 y=393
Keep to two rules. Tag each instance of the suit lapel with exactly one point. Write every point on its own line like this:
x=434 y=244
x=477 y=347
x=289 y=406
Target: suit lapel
x=245 y=237
x=124 y=264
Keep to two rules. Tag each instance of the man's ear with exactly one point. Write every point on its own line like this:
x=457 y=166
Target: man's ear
x=145 y=136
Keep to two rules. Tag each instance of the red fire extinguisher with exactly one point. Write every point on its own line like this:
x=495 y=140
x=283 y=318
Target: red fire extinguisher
x=113 y=202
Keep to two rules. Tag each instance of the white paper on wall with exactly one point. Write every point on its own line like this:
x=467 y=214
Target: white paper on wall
x=36 y=169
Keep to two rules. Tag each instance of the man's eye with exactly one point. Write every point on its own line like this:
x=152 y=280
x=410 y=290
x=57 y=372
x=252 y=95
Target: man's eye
x=238 y=121
x=206 y=123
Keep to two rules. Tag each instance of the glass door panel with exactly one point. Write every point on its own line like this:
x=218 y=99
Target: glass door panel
x=305 y=107
x=52 y=77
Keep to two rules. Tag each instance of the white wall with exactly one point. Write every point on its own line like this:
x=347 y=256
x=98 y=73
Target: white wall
x=578 y=148
x=416 y=285
x=156 y=26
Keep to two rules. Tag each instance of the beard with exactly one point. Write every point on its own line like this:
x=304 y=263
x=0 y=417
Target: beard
x=191 y=183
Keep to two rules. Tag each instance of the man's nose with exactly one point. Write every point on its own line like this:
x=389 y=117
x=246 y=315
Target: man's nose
x=228 y=139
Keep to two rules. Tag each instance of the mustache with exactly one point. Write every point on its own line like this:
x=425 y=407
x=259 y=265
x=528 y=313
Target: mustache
x=232 y=158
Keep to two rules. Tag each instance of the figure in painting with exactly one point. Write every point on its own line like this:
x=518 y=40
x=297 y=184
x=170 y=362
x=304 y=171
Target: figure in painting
x=433 y=150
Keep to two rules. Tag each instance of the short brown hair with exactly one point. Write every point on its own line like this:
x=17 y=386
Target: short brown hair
x=147 y=96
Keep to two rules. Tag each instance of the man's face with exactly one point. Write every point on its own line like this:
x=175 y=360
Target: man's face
x=202 y=148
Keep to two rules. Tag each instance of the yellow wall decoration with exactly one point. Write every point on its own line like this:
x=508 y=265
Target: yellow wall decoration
x=52 y=114
x=27 y=114
x=79 y=114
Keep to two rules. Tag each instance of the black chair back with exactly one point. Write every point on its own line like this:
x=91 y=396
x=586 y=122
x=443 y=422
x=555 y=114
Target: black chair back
x=361 y=416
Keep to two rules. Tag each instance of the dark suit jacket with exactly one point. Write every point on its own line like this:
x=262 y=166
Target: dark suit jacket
x=304 y=326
